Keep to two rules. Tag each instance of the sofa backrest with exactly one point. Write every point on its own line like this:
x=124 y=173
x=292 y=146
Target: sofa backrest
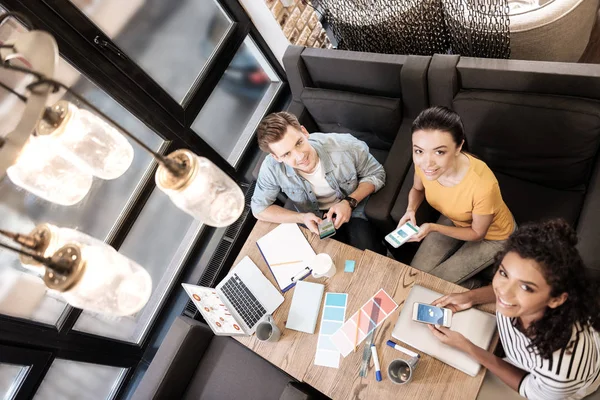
x=367 y=95
x=536 y=124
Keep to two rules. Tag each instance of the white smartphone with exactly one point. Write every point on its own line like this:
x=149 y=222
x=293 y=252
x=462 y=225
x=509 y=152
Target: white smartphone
x=428 y=314
x=399 y=236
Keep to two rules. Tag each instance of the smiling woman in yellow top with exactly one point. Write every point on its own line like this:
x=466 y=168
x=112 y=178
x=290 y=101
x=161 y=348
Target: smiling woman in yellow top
x=475 y=221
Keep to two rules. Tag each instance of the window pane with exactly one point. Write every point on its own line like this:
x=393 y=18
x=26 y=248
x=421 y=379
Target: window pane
x=171 y=40
x=24 y=295
x=231 y=114
x=159 y=241
x=11 y=377
x=70 y=380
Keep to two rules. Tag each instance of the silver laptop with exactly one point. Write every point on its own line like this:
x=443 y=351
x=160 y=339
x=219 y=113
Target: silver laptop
x=476 y=325
x=242 y=300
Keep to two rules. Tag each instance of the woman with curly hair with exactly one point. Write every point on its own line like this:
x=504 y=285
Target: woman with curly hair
x=547 y=312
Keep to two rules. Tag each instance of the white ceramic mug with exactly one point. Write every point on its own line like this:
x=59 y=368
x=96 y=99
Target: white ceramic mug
x=322 y=266
x=267 y=330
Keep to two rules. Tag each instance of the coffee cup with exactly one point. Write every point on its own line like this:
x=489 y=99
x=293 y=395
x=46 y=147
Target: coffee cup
x=401 y=371
x=267 y=330
x=322 y=266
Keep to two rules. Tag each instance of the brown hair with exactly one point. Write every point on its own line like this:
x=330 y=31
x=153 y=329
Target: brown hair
x=272 y=128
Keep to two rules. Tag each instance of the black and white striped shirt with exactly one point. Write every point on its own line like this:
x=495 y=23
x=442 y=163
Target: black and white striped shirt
x=571 y=373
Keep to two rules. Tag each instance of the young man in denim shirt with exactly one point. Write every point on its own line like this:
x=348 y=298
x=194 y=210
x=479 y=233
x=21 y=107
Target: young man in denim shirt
x=325 y=175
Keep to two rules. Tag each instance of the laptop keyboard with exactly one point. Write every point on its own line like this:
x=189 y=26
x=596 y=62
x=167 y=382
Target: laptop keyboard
x=242 y=299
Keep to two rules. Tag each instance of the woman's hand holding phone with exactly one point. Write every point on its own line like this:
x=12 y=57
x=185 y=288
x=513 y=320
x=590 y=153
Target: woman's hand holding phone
x=409 y=216
x=450 y=337
x=455 y=301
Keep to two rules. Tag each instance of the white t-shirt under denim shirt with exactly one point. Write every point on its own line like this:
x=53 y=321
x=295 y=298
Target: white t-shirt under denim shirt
x=346 y=163
x=326 y=195
x=572 y=372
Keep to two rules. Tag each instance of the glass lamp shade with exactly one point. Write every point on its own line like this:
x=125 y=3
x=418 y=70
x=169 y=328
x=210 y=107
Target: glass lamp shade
x=203 y=191
x=88 y=141
x=45 y=173
x=50 y=238
x=105 y=281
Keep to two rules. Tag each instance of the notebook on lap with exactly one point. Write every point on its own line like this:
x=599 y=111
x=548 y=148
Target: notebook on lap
x=476 y=325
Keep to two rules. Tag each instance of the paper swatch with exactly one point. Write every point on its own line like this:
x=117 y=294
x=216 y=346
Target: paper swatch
x=372 y=314
x=349 y=266
x=334 y=312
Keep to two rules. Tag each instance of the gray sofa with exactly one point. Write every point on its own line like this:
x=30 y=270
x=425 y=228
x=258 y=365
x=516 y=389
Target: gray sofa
x=536 y=124
x=193 y=363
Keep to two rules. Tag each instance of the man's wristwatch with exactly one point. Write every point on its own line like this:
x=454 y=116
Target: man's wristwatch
x=352 y=201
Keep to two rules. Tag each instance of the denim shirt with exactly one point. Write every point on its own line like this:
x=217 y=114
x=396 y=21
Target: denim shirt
x=346 y=162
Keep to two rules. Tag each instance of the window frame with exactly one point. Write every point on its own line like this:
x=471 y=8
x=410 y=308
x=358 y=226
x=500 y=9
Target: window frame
x=149 y=103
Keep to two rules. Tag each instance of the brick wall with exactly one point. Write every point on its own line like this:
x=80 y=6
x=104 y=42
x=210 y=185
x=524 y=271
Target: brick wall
x=300 y=23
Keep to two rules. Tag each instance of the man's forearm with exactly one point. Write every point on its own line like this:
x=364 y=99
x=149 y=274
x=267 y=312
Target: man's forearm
x=362 y=191
x=507 y=372
x=279 y=215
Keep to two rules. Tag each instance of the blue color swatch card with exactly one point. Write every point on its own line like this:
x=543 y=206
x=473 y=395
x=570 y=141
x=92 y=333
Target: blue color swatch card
x=334 y=313
x=349 y=266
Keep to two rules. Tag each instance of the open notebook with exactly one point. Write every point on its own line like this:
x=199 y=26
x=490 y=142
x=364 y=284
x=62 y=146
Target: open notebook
x=287 y=253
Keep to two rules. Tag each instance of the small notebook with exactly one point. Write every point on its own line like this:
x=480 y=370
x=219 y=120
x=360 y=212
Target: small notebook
x=305 y=306
x=287 y=253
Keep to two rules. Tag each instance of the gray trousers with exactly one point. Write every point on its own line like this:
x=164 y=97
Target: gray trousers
x=454 y=260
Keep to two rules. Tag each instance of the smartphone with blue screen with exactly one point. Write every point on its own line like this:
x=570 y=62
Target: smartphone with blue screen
x=428 y=314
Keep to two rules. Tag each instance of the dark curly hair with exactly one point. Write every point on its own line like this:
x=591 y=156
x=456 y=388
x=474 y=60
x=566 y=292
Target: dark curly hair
x=552 y=245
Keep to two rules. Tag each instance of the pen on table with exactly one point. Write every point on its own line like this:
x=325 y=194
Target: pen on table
x=402 y=349
x=376 y=363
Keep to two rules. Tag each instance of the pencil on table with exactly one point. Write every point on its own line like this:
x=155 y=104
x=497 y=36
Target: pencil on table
x=356 y=335
x=286 y=262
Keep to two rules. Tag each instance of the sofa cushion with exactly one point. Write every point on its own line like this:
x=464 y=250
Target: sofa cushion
x=229 y=370
x=532 y=202
x=372 y=119
x=548 y=140
x=176 y=360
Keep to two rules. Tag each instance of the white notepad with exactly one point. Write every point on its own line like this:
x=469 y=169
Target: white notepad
x=305 y=307
x=287 y=253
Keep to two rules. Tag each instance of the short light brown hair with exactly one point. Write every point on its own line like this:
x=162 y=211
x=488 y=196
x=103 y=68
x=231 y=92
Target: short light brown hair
x=272 y=128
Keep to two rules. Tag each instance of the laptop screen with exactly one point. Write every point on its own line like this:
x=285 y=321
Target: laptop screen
x=215 y=313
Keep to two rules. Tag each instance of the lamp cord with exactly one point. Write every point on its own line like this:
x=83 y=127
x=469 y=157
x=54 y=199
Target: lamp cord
x=172 y=166
x=36 y=257
x=13 y=91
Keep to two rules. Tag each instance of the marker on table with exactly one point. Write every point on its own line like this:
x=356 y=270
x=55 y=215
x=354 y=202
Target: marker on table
x=376 y=363
x=402 y=349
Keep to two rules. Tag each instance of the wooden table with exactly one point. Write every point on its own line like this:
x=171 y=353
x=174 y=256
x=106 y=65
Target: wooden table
x=295 y=351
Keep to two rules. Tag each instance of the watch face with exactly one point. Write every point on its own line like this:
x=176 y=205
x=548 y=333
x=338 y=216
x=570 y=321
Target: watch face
x=352 y=202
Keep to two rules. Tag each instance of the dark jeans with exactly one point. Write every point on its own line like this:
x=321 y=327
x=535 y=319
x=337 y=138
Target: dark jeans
x=361 y=234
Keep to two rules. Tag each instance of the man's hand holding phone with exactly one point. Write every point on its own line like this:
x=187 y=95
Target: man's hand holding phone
x=342 y=212
x=311 y=221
